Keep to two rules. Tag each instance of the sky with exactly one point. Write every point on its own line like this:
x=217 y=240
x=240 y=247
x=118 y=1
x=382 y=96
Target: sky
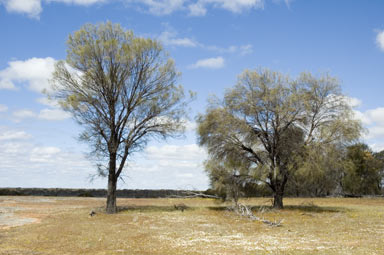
x=211 y=41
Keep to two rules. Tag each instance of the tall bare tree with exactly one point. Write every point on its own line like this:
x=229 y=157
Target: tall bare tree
x=272 y=121
x=122 y=89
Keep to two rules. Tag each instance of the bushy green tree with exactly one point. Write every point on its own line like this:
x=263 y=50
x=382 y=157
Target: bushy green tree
x=273 y=121
x=363 y=173
x=380 y=157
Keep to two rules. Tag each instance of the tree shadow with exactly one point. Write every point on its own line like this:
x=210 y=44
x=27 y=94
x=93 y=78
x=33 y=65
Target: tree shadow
x=150 y=208
x=309 y=208
x=218 y=208
x=315 y=208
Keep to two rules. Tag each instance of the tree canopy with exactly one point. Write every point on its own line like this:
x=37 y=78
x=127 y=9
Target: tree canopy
x=274 y=122
x=122 y=89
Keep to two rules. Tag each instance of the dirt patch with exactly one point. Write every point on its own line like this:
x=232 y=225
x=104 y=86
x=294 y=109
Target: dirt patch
x=18 y=211
x=8 y=220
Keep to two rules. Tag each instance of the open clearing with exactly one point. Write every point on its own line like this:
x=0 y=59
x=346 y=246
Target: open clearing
x=56 y=225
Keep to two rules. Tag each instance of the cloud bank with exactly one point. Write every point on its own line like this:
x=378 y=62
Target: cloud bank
x=33 y=8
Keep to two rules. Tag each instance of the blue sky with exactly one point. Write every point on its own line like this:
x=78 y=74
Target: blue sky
x=212 y=42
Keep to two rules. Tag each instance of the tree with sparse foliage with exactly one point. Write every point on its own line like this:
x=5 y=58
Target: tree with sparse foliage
x=273 y=121
x=122 y=90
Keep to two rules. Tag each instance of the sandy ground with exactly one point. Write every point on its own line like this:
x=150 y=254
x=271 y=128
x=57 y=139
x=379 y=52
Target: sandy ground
x=18 y=211
x=331 y=226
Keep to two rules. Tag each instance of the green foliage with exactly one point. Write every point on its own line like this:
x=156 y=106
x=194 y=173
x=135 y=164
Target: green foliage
x=320 y=172
x=227 y=178
x=122 y=89
x=275 y=123
x=363 y=173
x=380 y=157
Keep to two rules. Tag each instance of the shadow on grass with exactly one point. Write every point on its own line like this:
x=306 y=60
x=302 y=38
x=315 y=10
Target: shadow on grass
x=315 y=208
x=150 y=208
x=303 y=208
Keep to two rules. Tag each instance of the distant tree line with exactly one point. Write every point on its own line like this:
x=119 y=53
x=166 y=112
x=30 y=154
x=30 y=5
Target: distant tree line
x=123 y=193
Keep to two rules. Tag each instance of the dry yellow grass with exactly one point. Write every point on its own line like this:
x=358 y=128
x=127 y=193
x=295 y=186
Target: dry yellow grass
x=152 y=226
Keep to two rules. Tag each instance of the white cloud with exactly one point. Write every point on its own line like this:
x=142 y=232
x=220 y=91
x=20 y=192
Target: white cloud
x=189 y=152
x=3 y=108
x=377 y=147
x=31 y=165
x=35 y=72
x=235 y=6
x=211 y=63
x=6 y=135
x=170 y=166
x=48 y=102
x=44 y=154
x=53 y=114
x=286 y=2
x=30 y=7
x=362 y=117
x=44 y=114
x=160 y=7
x=376 y=115
x=197 y=9
x=241 y=50
x=353 y=101
x=6 y=84
x=375 y=133
x=246 y=49
x=42 y=165
x=169 y=38
x=33 y=8
x=380 y=40
x=373 y=120
x=23 y=114
x=78 y=2
x=190 y=125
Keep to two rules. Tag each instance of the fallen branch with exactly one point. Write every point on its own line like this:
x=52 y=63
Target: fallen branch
x=245 y=211
x=192 y=194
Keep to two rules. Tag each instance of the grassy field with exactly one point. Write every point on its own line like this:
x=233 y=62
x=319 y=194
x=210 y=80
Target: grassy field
x=51 y=225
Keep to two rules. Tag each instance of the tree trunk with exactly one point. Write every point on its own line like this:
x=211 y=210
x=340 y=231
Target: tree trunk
x=279 y=187
x=111 y=195
x=112 y=181
x=278 y=200
x=278 y=193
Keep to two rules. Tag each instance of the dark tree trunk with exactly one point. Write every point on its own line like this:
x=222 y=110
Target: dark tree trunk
x=111 y=195
x=278 y=200
x=112 y=181
x=278 y=191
